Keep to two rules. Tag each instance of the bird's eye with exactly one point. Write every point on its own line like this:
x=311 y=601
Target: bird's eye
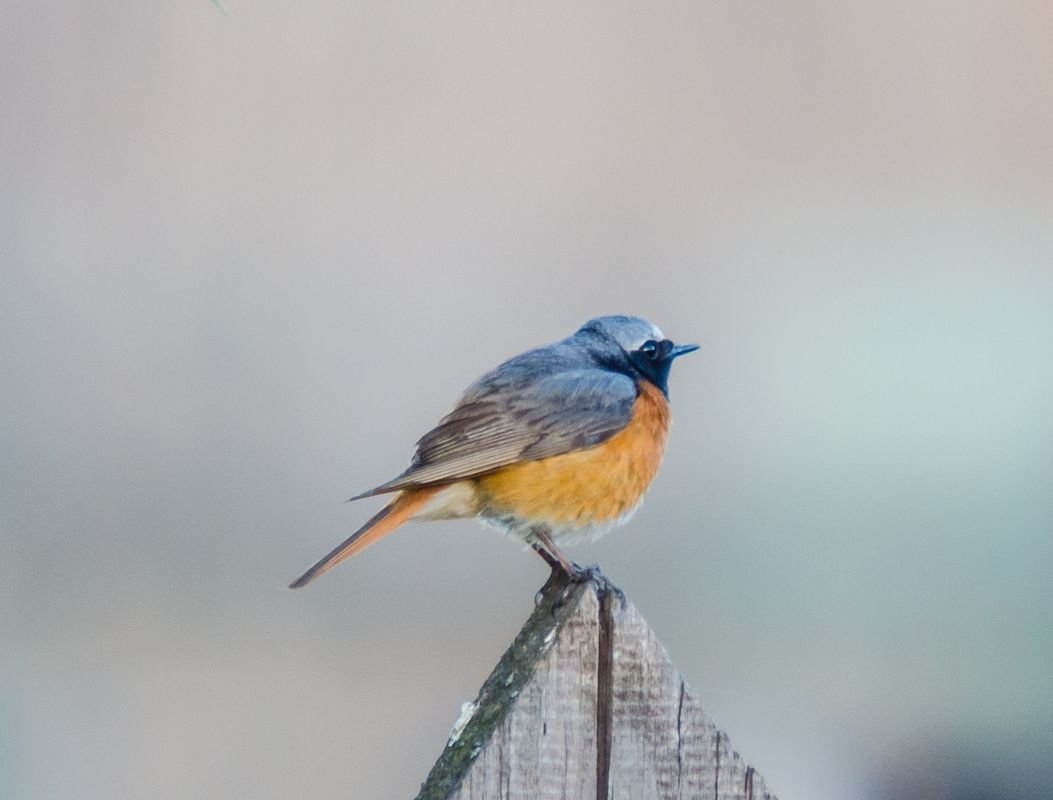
x=650 y=349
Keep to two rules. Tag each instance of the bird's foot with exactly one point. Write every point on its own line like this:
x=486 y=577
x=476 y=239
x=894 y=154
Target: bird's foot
x=594 y=575
x=568 y=573
x=556 y=577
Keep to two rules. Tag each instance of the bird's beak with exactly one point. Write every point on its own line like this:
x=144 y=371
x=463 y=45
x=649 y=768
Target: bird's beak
x=682 y=349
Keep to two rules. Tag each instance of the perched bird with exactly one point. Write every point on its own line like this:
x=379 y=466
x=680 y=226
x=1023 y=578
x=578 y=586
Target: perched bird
x=555 y=446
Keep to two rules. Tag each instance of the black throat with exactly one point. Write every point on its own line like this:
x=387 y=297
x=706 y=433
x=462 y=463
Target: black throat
x=639 y=367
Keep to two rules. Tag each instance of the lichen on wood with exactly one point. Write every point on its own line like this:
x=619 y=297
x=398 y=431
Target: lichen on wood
x=555 y=603
x=586 y=703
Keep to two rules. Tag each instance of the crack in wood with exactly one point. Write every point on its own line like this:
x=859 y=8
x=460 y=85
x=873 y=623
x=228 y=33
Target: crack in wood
x=716 y=768
x=624 y=723
x=679 y=739
x=604 y=696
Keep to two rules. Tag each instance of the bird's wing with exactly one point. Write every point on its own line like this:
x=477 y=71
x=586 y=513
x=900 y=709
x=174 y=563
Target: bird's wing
x=499 y=422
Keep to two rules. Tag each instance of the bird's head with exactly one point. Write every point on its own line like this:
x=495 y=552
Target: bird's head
x=635 y=346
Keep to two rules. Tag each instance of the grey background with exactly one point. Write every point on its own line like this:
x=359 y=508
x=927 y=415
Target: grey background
x=246 y=261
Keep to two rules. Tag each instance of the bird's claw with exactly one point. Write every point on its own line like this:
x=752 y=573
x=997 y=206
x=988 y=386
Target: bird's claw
x=576 y=575
x=559 y=579
x=594 y=575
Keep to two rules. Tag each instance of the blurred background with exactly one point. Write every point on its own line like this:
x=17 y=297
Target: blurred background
x=246 y=260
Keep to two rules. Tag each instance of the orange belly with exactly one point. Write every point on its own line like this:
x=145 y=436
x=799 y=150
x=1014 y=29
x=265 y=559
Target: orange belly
x=584 y=487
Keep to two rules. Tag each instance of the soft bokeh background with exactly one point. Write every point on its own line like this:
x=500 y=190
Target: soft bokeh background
x=245 y=261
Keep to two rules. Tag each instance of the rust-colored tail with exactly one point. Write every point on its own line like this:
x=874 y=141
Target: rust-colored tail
x=381 y=524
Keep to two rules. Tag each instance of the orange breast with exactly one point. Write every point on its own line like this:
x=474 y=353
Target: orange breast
x=586 y=486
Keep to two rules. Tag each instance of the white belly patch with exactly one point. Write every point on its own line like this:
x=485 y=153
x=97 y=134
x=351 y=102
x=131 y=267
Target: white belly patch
x=562 y=535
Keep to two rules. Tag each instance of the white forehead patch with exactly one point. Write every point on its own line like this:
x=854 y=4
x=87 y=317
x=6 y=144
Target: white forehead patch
x=655 y=335
x=627 y=332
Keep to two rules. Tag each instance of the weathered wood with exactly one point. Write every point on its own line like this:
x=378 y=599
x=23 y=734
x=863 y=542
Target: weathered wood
x=586 y=704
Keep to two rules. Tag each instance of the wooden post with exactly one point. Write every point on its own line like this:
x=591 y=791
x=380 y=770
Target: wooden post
x=586 y=704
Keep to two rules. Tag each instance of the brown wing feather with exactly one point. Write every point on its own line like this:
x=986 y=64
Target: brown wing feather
x=501 y=422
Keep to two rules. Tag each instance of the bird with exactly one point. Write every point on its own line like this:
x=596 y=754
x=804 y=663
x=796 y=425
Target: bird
x=553 y=447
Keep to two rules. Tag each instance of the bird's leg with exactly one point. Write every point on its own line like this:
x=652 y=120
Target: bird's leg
x=553 y=564
x=554 y=557
x=563 y=570
x=555 y=577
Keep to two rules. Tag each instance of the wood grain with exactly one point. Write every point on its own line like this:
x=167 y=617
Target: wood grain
x=586 y=704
